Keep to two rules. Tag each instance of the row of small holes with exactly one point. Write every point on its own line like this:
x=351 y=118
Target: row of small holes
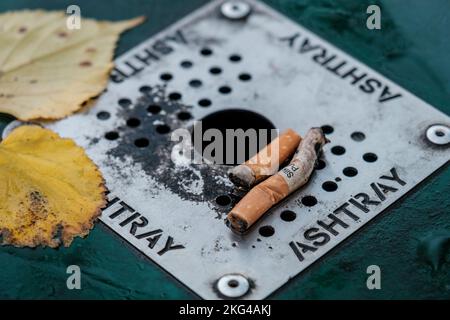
x=358 y=136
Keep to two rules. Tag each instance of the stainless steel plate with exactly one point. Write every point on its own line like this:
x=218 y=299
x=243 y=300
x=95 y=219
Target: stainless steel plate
x=168 y=210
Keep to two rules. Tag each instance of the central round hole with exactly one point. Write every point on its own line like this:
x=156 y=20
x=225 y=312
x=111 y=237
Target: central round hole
x=232 y=136
x=233 y=283
x=440 y=133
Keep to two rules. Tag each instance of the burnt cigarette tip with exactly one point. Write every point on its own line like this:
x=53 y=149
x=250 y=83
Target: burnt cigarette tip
x=235 y=223
x=242 y=176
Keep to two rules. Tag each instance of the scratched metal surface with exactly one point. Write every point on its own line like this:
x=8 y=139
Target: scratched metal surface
x=333 y=279
x=167 y=209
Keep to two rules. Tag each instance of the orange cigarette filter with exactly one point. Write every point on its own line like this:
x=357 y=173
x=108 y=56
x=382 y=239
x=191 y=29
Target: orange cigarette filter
x=274 y=189
x=266 y=162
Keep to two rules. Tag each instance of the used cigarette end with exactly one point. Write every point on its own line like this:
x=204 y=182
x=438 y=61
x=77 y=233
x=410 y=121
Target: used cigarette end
x=267 y=161
x=277 y=187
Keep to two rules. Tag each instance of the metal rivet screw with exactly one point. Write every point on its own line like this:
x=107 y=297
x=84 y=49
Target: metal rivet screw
x=235 y=10
x=438 y=134
x=233 y=286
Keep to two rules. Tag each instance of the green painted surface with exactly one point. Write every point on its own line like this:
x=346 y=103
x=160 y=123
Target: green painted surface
x=410 y=242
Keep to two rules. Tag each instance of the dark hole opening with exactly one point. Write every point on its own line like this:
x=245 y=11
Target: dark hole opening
x=184 y=115
x=124 y=102
x=320 y=164
x=358 y=136
x=103 y=115
x=440 y=133
x=288 y=215
x=266 y=231
x=145 y=89
x=338 y=150
x=204 y=103
x=141 y=142
x=327 y=129
x=112 y=135
x=233 y=283
x=223 y=200
x=186 y=64
x=162 y=129
x=309 y=201
x=215 y=70
x=329 y=186
x=225 y=89
x=133 y=122
x=245 y=77
x=235 y=58
x=154 y=109
x=350 y=172
x=206 y=52
x=195 y=83
x=370 y=157
x=234 y=119
x=166 y=76
x=175 y=96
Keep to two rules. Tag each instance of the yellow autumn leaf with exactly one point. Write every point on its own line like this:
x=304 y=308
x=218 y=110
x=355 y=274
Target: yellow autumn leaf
x=50 y=191
x=48 y=71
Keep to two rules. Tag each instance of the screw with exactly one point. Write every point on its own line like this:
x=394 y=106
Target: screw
x=438 y=134
x=235 y=10
x=233 y=285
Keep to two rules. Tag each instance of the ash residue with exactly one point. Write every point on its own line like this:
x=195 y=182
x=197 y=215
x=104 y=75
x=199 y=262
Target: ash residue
x=158 y=112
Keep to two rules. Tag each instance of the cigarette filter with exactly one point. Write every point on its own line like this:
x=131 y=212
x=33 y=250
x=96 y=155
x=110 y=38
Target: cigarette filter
x=271 y=191
x=266 y=162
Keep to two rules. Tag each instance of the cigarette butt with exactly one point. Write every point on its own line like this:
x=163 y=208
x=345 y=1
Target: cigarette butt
x=266 y=162
x=277 y=187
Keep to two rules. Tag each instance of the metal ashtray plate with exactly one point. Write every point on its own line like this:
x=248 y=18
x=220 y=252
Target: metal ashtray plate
x=168 y=210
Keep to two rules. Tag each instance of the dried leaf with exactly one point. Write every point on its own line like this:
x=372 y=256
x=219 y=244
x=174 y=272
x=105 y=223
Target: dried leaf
x=50 y=191
x=48 y=71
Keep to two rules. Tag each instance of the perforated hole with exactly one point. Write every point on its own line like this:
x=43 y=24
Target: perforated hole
x=145 y=89
x=309 y=201
x=225 y=90
x=162 y=129
x=329 y=186
x=103 y=115
x=206 y=52
x=223 y=200
x=112 y=135
x=133 y=122
x=338 y=150
x=358 y=136
x=124 y=102
x=266 y=231
x=320 y=164
x=186 y=64
x=370 y=157
x=184 y=115
x=288 y=215
x=154 y=109
x=215 y=70
x=235 y=58
x=350 y=171
x=141 y=142
x=195 y=83
x=245 y=77
x=204 y=103
x=166 y=76
x=327 y=129
x=233 y=283
x=175 y=96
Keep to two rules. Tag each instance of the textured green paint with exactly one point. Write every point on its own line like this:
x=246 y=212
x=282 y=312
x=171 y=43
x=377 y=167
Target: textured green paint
x=409 y=242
